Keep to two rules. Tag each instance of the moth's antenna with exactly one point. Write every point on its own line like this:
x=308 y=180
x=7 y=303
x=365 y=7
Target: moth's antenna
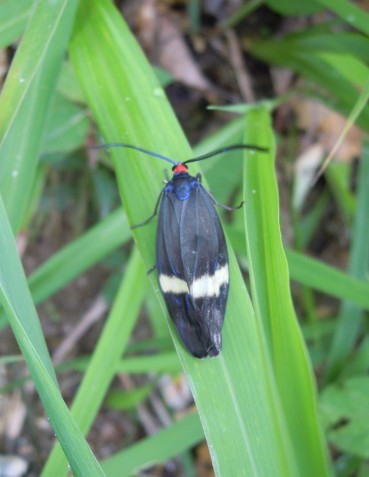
x=140 y=149
x=226 y=149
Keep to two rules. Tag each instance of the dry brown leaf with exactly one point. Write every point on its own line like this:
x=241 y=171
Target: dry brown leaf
x=324 y=125
x=4 y=65
x=146 y=24
x=204 y=466
x=175 y=56
x=161 y=37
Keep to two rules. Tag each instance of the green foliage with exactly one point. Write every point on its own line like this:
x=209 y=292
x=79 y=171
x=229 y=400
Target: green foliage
x=345 y=411
x=257 y=401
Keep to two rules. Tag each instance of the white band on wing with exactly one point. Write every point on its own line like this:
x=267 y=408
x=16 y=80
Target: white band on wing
x=173 y=285
x=205 y=286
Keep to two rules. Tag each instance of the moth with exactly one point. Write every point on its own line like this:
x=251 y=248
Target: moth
x=191 y=254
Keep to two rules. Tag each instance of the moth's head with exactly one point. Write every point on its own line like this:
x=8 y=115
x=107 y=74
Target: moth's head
x=180 y=167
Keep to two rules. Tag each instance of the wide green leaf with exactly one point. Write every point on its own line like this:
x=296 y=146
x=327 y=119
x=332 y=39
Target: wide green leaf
x=236 y=408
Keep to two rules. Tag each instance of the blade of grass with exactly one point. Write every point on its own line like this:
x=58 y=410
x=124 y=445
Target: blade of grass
x=273 y=305
x=17 y=302
x=288 y=7
x=66 y=128
x=165 y=362
x=288 y=53
x=316 y=275
x=13 y=19
x=222 y=179
x=326 y=279
x=338 y=179
x=240 y=412
x=25 y=99
x=349 y=12
x=312 y=41
x=240 y=13
x=164 y=445
x=76 y=257
x=15 y=291
x=102 y=367
x=350 y=316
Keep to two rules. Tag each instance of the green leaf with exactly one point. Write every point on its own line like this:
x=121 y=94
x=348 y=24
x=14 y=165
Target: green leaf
x=17 y=302
x=291 y=7
x=350 y=318
x=345 y=410
x=25 y=99
x=76 y=257
x=164 y=445
x=14 y=15
x=316 y=274
x=107 y=353
x=164 y=362
x=272 y=301
x=349 y=12
x=66 y=128
x=327 y=279
x=236 y=408
x=129 y=399
x=326 y=71
x=68 y=85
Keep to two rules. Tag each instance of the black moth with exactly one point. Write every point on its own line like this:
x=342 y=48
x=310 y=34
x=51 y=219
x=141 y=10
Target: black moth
x=191 y=255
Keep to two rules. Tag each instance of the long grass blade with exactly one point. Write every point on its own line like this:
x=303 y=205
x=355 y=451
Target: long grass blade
x=273 y=304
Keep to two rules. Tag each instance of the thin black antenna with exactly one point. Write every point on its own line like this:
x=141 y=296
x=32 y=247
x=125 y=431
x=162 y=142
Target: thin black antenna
x=129 y=146
x=226 y=149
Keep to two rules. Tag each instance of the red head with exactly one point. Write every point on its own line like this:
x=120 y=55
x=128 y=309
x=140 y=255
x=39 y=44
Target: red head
x=180 y=167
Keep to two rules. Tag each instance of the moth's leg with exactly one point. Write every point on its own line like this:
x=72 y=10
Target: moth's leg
x=151 y=216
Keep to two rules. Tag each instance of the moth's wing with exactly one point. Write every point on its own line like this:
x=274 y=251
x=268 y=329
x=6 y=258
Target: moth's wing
x=205 y=259
x=192 y=264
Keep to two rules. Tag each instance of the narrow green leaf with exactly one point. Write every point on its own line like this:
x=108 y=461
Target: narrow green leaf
x=17 y=302
x=10 y=359
x=272 y=301
x=350 y=317
x=222 y=172
x=66 y=128
x=102 y=367
x=338 y=178
x=327 y=279
x=15 y=291
x=317 y=275
x=13 y=19
x=291 y=7
x=240 y=13
x=349 y=12
x=341 y=93
x=164 y=445
x=128 y=400
x=25 y=99
x=78 y=256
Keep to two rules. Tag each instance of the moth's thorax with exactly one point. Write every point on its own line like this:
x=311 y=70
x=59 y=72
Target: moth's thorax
x=181 y=185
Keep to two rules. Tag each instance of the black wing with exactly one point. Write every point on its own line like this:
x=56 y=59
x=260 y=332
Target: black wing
x=192 y=263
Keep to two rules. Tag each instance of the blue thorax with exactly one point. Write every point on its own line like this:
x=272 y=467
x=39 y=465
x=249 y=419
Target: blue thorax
x=181 y=185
